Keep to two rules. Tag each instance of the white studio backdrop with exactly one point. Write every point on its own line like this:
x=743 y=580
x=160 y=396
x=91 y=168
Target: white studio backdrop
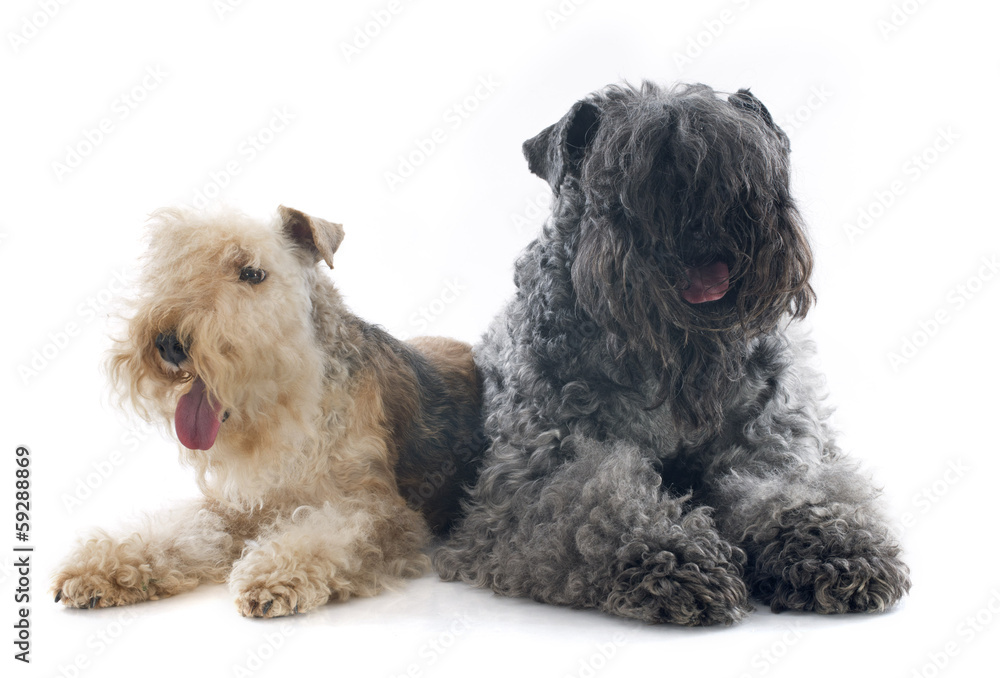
x=404 y=121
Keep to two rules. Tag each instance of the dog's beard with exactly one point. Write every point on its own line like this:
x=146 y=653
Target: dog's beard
x=690 y=338
x=694 y=372
x=698 y=378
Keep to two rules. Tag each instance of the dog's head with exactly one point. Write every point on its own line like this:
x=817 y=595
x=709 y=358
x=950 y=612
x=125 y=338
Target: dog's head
x=219 y=333
x=688 y=242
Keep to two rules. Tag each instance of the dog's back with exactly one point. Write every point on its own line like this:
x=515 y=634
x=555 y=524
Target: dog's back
x=432 y=407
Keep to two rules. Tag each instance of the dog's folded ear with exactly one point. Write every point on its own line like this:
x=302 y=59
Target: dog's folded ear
x=318 y=237
x=560 y=148
x=745 y=100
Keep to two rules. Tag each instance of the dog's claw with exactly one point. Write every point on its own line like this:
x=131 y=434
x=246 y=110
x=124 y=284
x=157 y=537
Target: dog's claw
x=267 y=606
x=94 y=601
x=58 y=595
x=296 y=610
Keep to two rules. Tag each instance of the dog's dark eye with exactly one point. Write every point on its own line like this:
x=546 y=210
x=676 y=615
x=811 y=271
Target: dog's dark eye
x=254 y=276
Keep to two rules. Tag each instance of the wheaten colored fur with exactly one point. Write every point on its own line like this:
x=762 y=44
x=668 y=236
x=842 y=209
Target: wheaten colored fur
x=322 y=412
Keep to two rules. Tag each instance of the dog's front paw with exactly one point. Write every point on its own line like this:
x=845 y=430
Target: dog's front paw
x=264 y=589
x=277 y=597
x=838 y=585
x=104 y=573
x=662 y=588
x=690 y=575
x=828 y=565
x=276 y=600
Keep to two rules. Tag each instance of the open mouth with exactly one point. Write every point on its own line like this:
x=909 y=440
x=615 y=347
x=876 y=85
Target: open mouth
x=198 y=417
x=707 y=283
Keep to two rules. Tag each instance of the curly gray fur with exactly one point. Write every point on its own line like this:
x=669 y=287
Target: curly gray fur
x=654 y=458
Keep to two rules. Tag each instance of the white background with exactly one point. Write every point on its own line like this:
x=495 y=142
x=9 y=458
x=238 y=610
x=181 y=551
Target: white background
x=862 y=88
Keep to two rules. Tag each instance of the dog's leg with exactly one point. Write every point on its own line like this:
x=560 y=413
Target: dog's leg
x=355 y=547
x=172 y=552
x=599 y=532
x=815 y=536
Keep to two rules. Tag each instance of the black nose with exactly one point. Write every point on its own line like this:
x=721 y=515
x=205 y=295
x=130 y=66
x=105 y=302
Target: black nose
x=171 y=349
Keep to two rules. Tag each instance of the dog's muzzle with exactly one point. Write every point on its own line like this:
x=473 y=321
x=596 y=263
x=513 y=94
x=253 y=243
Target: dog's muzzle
x=198 y=416
x=171 y=349
x=707 y=283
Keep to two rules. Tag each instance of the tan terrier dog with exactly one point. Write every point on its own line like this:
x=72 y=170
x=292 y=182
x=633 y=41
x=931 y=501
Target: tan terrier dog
x=306 y=425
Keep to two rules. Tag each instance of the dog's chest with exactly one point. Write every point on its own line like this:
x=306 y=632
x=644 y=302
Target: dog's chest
x=650 y=429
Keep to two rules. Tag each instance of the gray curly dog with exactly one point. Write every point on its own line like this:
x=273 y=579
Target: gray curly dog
x=658 y=444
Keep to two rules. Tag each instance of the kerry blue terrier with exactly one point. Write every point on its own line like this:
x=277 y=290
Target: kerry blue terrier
x=658 y=444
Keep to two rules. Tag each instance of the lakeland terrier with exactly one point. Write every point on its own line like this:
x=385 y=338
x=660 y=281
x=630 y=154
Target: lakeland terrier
x=306 y=426
x=659 y=447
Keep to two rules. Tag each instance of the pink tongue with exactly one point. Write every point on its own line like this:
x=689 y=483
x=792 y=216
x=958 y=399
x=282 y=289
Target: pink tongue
x=197 y=418
x=708 y=283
